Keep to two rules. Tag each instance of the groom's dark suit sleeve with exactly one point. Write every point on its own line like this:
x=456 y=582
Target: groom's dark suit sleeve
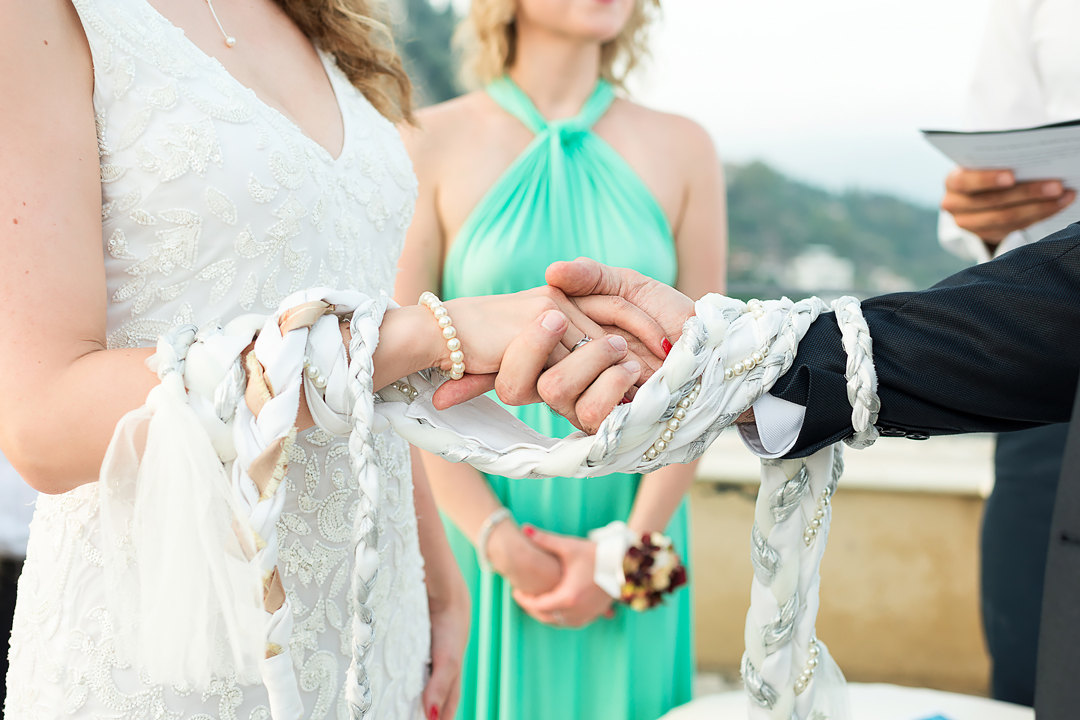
x=995 y=347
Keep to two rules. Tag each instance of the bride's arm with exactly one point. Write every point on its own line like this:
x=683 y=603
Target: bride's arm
x=57 y=382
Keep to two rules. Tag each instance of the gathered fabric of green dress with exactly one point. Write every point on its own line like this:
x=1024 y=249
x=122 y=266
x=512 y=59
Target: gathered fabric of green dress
x=568 y=194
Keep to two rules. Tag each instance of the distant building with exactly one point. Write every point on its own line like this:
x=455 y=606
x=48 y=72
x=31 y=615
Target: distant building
x=819 y=268
x=883 y=280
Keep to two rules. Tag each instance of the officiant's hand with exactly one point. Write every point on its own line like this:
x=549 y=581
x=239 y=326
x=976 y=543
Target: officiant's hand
x=992 y=204
x=576 y=600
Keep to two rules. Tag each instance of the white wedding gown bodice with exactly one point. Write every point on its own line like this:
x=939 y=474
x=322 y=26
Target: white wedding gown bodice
x=213 y=205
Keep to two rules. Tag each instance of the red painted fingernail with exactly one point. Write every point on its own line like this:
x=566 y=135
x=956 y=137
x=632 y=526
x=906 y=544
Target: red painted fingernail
x=529 y=531
x=666 y=347
x=434 y=713
x=624 y=401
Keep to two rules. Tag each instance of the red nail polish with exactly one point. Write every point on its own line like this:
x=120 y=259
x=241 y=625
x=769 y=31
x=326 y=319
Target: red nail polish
x=434 y=713
x=529 y=531
x=666 y=347
x=624 y=401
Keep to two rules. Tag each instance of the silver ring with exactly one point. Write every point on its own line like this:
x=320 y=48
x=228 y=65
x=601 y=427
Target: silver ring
x=581 y=342
x=559 y=619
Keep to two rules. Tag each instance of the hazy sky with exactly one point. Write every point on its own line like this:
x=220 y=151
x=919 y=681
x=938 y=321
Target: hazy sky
x=833 y=91
x=830 y=90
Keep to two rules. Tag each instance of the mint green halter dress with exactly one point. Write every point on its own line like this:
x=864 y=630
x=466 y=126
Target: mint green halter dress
x=568 y=194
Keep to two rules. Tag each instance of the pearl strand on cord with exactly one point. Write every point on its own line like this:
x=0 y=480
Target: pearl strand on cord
x=673 y=424
x=751 y=361
x=406 y=389
x=314 y=374
x=449 y=333
x=803 y=681
x=814 y=525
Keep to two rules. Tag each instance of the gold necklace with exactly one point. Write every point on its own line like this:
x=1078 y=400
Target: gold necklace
x=230 y=41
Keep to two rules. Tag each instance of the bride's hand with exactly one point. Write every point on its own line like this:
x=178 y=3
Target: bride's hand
x=606 y=365
x=487 y=325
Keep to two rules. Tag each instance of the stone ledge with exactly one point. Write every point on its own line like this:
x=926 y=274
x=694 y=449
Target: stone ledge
x=954 y=465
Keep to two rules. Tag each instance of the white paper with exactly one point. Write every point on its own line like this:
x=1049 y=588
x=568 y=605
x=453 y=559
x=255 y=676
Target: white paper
x=1047 y=152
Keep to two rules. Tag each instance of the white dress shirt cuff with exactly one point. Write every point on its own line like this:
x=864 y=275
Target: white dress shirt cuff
x=969 y=246
x=776 y=427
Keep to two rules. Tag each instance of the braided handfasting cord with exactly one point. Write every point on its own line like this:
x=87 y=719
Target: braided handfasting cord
x=239 y=408
x=729 y=355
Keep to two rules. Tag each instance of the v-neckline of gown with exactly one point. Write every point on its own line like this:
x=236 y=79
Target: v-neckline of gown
x=329 y=68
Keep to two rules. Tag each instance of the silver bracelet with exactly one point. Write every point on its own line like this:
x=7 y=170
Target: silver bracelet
x=497 y=516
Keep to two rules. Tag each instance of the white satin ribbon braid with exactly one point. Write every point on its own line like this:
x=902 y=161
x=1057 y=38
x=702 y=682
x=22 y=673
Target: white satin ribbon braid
x=735 y=350
x=366 y=318
x=861 y=376
x=237 y=420
x=729 y=355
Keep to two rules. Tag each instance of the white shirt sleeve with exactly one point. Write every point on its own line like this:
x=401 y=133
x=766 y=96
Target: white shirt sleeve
x=776 y=427
x=968 y=245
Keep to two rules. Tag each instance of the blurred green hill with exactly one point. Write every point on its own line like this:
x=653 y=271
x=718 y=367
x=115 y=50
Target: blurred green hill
x=424 y=35
x=774 y=222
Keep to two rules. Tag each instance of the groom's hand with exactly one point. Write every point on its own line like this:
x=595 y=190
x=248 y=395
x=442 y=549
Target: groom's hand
x=602 y=293
x=599 y=290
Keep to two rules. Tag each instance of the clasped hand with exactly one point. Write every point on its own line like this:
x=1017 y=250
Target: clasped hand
x=632 y=320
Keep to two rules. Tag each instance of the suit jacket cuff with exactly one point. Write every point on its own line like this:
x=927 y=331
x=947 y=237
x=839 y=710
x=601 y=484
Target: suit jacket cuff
x=816 y=381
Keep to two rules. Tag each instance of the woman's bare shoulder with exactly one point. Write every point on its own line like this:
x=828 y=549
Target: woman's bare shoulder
x=441 y=127
x=50 y=27
x=677 y=132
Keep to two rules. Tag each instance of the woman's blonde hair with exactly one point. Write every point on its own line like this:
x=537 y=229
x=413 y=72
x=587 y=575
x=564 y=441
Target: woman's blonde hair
x=357 y=34
x=487 y=40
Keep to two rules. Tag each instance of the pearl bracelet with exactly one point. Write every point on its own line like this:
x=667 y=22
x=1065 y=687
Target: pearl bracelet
x=449 y=333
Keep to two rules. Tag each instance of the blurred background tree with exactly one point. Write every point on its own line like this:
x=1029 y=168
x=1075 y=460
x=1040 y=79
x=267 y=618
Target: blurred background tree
x=424 y=35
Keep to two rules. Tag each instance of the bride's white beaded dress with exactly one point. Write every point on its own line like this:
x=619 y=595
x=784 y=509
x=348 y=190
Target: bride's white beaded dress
x=214 y=204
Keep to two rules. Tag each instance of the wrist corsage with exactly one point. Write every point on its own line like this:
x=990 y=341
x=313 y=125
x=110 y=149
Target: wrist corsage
x=636 y=569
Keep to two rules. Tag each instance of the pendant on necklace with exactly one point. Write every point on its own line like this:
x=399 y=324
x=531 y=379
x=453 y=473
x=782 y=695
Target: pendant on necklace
x=230 y=41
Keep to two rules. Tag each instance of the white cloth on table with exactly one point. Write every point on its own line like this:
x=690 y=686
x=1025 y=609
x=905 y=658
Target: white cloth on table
x=1027 y=73
x=873 y=702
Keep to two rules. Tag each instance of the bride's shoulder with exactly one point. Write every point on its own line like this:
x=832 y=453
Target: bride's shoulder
x=51 y=25
x=44 y=39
